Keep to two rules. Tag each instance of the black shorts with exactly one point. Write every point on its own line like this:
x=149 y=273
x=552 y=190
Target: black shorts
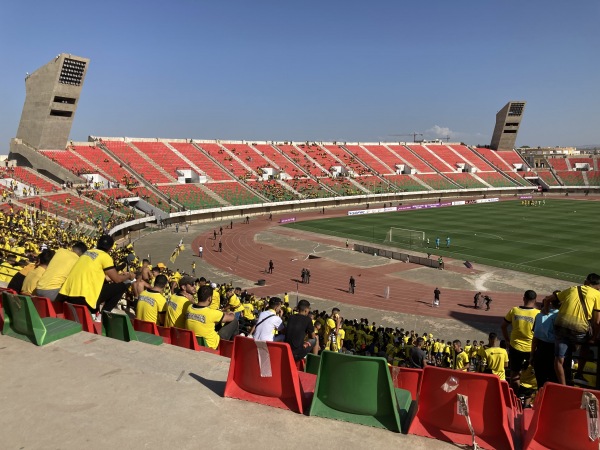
x=517 y=360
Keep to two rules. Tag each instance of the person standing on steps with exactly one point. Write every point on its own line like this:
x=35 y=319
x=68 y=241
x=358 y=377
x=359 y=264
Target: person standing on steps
x=436 y=297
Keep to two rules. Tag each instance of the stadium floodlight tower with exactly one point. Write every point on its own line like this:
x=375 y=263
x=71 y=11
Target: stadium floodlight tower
x=51 y=98
x=508 y=121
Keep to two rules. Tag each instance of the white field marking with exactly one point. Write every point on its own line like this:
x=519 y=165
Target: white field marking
x=493 y=235
x=551 y=256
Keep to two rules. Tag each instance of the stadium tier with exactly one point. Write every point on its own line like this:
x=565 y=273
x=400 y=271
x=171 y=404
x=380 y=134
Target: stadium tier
x=228 y=159
x=274 y=191
x=302 y=160
x=593 y=178
x=282 y=163
x=433 y=159
x=189 y=195
x=375 y=184
x=436 y=181
x=494 y=158
x=466 y=180
x=512 y=158
x=372 y=161
x=234 y=193
x=108 y=166
x=249 y=156
x=558 y=163
x=69 y=160
x=496 y=179
x=348 y=160
x=319 y=155
x=26 y=176
x=202 y=161
x=308 y=188
x=149 y=196
x=403 y=153
x=341 y=186
x=472 y=158
x=548 y=178
x=137 y=162
x=406 y=183
x=162 y=156
x=571 y=178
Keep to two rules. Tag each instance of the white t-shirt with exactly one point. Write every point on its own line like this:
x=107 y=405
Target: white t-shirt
x=272 y=322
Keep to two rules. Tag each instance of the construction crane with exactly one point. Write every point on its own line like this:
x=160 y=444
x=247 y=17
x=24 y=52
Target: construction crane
x=413 y=134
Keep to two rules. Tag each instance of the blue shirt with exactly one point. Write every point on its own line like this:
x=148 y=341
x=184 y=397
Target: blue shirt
x=543 y=327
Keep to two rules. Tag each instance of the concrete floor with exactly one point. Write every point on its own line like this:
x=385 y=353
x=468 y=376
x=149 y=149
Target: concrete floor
x=92 y=392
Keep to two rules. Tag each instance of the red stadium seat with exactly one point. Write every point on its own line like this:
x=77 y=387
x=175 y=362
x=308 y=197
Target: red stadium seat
x=408 y=379
x=81 y=314
x=165 y=332
x=46 y=308
x=511 y=411
x=152 y=328
x=437 y=415
x=187 y=339
x=275 y=383
x=558 y=422
x=225 y=348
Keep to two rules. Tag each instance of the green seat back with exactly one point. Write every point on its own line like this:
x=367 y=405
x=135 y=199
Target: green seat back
x=358 y=389
x=22 y=321
x=118 y=326
x=312 y=364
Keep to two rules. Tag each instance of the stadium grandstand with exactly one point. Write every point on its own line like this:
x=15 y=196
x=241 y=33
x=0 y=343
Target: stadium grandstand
x=77 y=205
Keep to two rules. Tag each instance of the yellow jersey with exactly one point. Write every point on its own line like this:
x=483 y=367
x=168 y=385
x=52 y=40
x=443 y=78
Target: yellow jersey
x=216 y=300
x=177 y=306
x=202 y=320
x=31 y=280
x=149 y=306
x=461 y=361
x=571 y=314
x=58 y=269
x=497 y=360
x=87 y=276
x=235 y=305
x=521 y=318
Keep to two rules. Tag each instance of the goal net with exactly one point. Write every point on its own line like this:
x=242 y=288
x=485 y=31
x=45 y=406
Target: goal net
x=404 y=236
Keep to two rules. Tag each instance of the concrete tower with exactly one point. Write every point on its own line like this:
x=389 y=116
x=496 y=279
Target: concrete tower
x=508 y=121
x=52 y=94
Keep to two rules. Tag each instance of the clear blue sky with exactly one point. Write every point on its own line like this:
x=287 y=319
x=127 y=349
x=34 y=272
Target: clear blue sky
x=313 y=70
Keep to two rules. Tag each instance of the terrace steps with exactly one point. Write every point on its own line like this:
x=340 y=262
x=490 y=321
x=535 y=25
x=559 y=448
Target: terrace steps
x=152 y=162
x=143 y=182
x=213 y=194
x=397 y=155
x=585 y=178
x=185 y=158
x=289 y=158
x=440 y=159
x=420 y=158
x=311 y=159
x=95 y=167
x=358 y=185
x=239 y=160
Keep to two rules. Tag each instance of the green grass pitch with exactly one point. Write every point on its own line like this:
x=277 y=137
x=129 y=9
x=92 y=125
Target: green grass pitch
x=557 y=240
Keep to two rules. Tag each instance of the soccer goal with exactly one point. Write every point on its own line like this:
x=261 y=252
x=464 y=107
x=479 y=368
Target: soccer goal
x=404 y=236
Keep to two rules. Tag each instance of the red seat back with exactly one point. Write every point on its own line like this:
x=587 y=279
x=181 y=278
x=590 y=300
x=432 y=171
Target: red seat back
x=165 y=332
x=81 y=314
x=558 y=421
x=407 y=378
x=225 y=348
x=281 y=389
x=184 y=338
x=437 y=415
x=44 y=306
x=145 y=327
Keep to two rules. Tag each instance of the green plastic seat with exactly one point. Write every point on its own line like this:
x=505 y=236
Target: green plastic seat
x=22 y=321
x=201 y=341
x=359 y=389
x=118 y=326
x=312 y=364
